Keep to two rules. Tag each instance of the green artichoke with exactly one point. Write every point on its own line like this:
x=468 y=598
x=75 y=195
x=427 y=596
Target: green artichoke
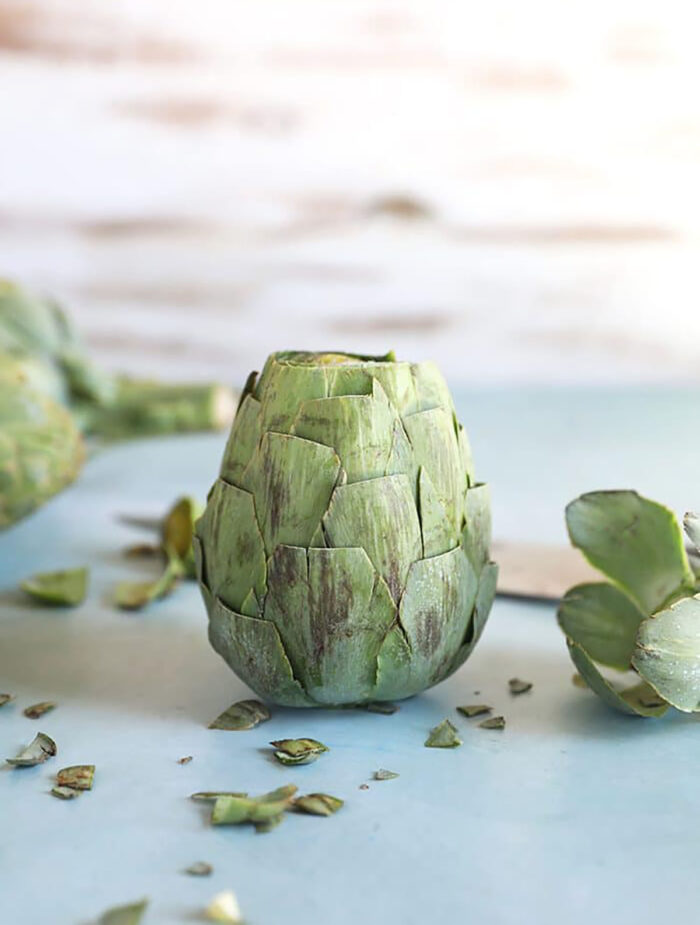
x=646 y=616
x=343 y=554
x=41 y=450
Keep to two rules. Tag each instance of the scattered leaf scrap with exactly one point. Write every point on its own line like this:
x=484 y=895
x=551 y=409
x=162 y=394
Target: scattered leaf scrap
x=246 y=714
x=298 y=751
x=64 y=793
x=444 y=735
x=474 y=709
x=143 y=551
x=318 y=804
x=6 y=698
x=224 y=908
x=210 y=795
x=66 y=588
x=39 y=709
x=77 y=776
x=383 y=774
x=130 y=914
x=41 y=748
x=493 y=722
x=199 y=869
x=519 y=687
x=185 y=760
x=363 y=787
x=234 y=810
x=380 y=706
x=134 y=595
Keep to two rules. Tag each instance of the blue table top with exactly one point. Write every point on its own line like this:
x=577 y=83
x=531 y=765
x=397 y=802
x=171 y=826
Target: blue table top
x=572 y=813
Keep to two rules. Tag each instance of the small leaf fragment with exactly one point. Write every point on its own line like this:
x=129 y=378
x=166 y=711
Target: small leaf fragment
x=224 y=908
x=131 y=914
x=519 y=687
x=143 y=551
x=199 y=869
x=380 y=706
x=318 y=804
x=474 y=709
x=493 y=722
x=185 y=760
x=298 y=751
x=64 y=793
x=77 y=776
x=236 y=810
x=578 y=681
x=6 y=698
x=39 y=709
x=246 y=714
x=177 y=532
x=134 y=595
x=363 y=787
x=65 y=588
x=444 y=735
x=210 y=795
x=383 y=774
x=37 y=752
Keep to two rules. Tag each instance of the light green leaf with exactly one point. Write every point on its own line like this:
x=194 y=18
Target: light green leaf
x=638 y=700
x=318 y=804
x=177 y=532
x=476 y=535
x=298 y=751
x=444 y=735
x=493 y=722
x=63 y=589
x=245 y=714
x=691 y=522
x=636 y=542
x=383 y=774
x=668 y=653
x=64 y=793
x=603 y=620
x=436 y=450
x=437 y=529
x=135 y=595
x=131 y=914
x=242 y=441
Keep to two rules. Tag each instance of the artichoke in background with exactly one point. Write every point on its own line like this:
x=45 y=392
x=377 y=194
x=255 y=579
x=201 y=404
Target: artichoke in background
x=51 y=389
x=343 y=554
x=41 y=449
x=646 y=617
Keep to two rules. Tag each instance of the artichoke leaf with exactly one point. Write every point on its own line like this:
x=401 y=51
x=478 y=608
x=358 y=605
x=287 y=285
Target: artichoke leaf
x=242 y=441
x=637 y=700
x=66 y=588
x=364 y=514
x=603 y=620
x=253 y=648
x=436 y=450
x=444 y=735
x=667 y=654
x=38 y=751
x=691 y=522
x=131 y=914
x=245 y=714
x=437 y=529
x=476 y=533
x=635 y=542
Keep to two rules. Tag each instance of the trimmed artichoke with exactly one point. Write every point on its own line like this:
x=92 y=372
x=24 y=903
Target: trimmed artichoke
x=343 y=554
x=646 y=617
x=41 y=450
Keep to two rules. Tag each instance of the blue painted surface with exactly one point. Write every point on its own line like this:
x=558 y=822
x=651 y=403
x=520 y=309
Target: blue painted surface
x=572 y=814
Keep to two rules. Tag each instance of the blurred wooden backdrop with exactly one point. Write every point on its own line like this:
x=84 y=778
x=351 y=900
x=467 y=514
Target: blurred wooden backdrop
x=509 y=187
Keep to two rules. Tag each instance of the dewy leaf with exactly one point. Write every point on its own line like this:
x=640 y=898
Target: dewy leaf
x=318 y=804
x=199 y=869
x=41 y=748
x=517 y=686
x=246 y=714
x=668 y=653
x=603 y=620
x=39 y=709
x=77 y=776
x=298 y=751
x=383 y=774
x=64 y=793
x=60 y=589
x=444 y=735
x=691 y=522
x=474 y=709
x=637 y=700
x=493 y=722
x=6 y=698
x=135 y=595
x=380 y=706
x=635 y=542
x=224 y=908
x=131 y=914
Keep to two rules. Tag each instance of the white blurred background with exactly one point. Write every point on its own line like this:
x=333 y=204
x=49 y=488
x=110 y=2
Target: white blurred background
x=510 y=188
